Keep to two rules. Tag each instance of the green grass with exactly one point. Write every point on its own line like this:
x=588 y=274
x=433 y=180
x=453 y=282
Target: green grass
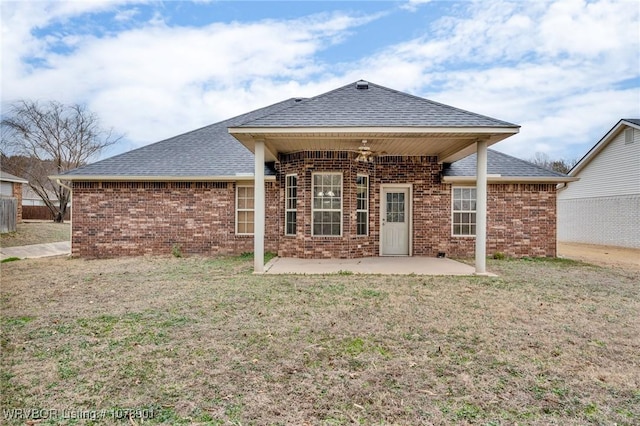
x=204 y=341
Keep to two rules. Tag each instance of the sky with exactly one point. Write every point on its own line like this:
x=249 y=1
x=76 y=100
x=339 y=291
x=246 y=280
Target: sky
x=565 y=70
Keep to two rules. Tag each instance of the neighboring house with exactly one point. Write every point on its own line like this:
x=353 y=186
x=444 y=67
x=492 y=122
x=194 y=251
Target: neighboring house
x=30 y=198
x=35 y=208
x=603 y=207
x=11 y=187
x=360 y=171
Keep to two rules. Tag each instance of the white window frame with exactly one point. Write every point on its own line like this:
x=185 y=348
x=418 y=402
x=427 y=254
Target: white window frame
x=366 y=209
x=314 y=209
x=454 y=211
x=287 y=208
x=237 y=209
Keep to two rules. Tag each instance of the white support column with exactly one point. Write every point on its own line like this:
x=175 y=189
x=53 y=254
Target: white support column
x=259 y=210
x=481 y=207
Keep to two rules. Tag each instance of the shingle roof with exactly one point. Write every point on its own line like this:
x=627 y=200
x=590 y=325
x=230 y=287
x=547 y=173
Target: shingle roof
x=635 y=121
x=208 y=151
x=499 y=164
x=212 y=152
x=376 y=106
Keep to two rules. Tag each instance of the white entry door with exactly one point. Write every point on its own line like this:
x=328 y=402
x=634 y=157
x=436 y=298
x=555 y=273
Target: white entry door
x=395 y=215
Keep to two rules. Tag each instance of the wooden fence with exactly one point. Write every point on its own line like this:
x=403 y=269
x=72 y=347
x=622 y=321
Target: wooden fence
x=8 y=214
x=40 y=213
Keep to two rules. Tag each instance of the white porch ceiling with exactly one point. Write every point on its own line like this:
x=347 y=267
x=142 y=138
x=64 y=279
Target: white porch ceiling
x=447 y=144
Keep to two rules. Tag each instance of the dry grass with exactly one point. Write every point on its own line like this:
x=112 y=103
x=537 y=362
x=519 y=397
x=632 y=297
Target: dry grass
x=202 y=341
x=36 y=233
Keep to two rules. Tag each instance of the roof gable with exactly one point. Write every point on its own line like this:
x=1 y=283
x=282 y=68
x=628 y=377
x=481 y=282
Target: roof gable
x=375 y=105
x=603 y=142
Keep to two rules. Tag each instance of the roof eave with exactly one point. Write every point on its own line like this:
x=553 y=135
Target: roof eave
x=510 y=179
x=132 y=178
x=17 y=180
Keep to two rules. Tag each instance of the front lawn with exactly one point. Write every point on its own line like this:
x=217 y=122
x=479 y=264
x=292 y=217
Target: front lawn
x=28 y=233
x=203 y=341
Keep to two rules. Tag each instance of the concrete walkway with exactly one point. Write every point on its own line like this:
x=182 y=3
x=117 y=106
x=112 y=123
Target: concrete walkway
x=36 y=250
x=370 y=265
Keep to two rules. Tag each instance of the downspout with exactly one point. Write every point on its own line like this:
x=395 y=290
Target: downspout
x=70 y=215
x=65 y=186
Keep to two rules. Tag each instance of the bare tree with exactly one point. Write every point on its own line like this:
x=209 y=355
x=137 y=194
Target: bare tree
x=561 y=166
x=56 y=138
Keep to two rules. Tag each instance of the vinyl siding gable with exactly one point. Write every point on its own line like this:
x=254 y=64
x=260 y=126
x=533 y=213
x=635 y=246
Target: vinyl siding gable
x=614 y=171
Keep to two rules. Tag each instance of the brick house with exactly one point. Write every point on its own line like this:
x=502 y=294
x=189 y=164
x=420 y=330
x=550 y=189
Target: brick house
x=360 y=171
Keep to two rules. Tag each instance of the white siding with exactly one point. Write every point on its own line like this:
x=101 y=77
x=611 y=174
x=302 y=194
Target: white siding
x=614 y=171
x=6 y=189
x=603 y=207
x=613 y=221
x=32 y=202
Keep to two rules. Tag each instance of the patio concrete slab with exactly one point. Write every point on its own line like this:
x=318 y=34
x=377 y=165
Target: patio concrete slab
x=370 y=265
x=36 y=250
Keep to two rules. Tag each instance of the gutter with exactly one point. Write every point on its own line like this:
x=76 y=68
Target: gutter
x=513 y=129
x=124 y=178
x=509 y=179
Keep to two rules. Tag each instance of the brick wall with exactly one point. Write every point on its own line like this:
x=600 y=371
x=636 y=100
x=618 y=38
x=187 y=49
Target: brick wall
x=521 y=217
x=521 y=221
x=303 y=244
x=136 y=218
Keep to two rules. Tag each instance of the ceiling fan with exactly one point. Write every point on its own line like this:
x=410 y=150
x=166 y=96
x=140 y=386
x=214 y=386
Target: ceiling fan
x=365 y=154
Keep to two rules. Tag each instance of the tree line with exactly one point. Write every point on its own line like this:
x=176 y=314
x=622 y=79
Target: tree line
x=558 y=165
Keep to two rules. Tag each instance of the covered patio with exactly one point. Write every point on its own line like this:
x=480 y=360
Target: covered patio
x=414 y=265
x=386 y=123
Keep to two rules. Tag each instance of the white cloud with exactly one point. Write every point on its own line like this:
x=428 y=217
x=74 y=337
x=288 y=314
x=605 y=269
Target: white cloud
x=172 y=79
x=126 y=15
x=413 y=5
x=553 y=67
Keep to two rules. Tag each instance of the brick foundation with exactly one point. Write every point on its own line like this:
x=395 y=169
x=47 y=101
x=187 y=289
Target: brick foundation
x=135 y=218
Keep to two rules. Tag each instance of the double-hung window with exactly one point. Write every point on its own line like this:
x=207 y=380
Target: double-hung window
x=362 y=205
x=244 y=210
x=291 y=195
x=464 y=211
x=327 y=204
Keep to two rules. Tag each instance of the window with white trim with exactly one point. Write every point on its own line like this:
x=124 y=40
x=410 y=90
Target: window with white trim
x=244 y=210
x=464 y=211
x=362 y=205
x=290 y=208
x=326 y=212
